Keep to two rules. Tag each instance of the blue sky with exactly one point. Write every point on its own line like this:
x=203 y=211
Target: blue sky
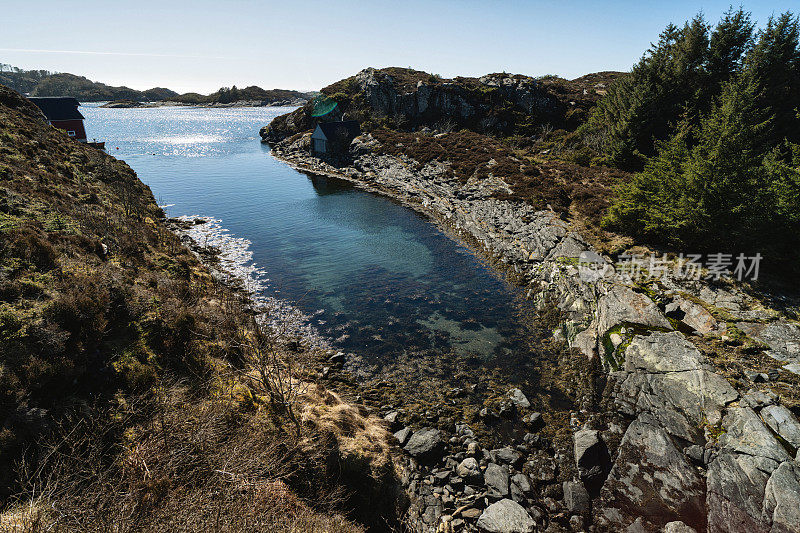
x=307 y=44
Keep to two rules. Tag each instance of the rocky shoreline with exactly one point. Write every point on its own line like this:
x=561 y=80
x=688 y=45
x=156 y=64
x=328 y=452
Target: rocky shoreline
x=701 y=380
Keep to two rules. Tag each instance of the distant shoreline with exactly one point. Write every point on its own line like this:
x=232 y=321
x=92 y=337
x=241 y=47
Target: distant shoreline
x=133 y=104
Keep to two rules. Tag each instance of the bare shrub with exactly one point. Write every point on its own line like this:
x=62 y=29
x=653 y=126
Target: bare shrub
x=276 y=371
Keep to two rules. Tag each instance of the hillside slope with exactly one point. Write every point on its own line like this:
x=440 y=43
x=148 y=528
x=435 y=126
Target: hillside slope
x=127 y=393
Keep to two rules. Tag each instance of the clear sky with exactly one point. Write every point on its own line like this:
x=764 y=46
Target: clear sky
x=201 y=45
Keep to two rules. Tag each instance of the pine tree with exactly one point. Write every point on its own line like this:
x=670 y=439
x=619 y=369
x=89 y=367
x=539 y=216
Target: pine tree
x=663 y=85
x=731 y=39
x=774 y=65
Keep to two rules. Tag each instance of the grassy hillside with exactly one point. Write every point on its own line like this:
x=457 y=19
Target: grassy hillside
x=128 y=391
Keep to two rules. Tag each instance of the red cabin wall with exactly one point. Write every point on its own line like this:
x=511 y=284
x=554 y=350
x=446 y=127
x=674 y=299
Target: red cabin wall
x=71 y=125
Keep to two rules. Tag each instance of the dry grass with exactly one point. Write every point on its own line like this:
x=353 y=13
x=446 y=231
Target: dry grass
x=363 y=439
x=204 y=462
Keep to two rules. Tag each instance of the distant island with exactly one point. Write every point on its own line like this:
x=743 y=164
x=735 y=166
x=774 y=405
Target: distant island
x=46 y=83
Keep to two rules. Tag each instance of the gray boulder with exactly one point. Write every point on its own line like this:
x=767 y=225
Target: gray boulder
x=745 y=433
x=506 y=455
x=520 y=487
x=782 y=499
x=506 y=516
x=622 y=305
x=591 y=455
x=403 y=435
x=469 y=471
x=519 y=399
x=496 y=478
x=576 y=497
x=783 y=422
x=425 y=444
x=736 y=484
x=678 y=527
x=666 y=376
x=651 y=479
x=693 y=315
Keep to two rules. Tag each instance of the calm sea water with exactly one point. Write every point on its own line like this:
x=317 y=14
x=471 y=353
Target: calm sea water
x=375 y=275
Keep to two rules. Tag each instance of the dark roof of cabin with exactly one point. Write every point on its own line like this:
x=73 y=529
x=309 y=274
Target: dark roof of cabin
x=350 y=128
x=58 y=107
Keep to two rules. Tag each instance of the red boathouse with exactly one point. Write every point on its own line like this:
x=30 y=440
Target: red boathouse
x=62 y=112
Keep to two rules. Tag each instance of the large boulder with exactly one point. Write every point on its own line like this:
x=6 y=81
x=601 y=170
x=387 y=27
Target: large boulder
x=425 y=445
x=591 y=456
x=576 y=498
x=622 y=305
x=746 y=433
x=693 y=315
x=506 y=516
x=782 y=499
x=518 y=399
x=666 y=376
x=783 y=422
x=736 y=484
x=496 y=479
x=738 y=476
x=651 y=479
x=520 y=487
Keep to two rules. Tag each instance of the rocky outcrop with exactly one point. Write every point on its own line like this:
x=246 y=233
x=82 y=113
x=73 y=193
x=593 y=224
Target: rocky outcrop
x=652 y=480
x=698 y=453
x=425 y=444
x=414 y=99
x=667 y=377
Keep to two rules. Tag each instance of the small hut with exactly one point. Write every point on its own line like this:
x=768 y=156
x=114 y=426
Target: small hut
x=62 y=112
x=334 y=137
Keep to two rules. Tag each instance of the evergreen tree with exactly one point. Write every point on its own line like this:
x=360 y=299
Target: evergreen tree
x=731 y=39
x=678 y=78
x=732 y=191
x=774 y=65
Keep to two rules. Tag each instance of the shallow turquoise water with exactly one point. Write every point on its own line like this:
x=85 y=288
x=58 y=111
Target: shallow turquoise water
x=385 y=279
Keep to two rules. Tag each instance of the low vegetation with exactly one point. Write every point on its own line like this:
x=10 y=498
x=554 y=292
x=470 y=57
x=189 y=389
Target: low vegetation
x=129 y=394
